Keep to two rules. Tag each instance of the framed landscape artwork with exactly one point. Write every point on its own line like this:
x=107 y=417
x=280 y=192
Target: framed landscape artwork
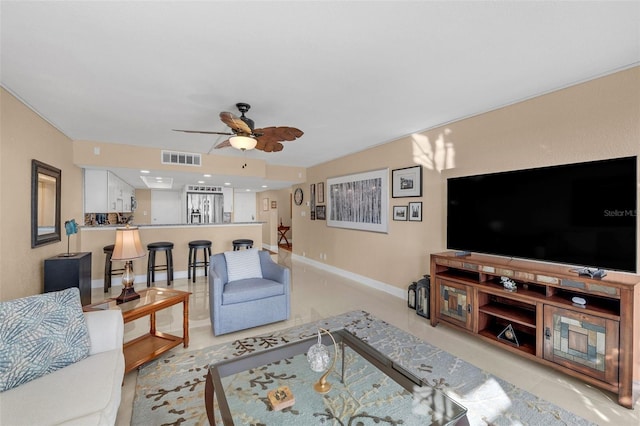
x=399 y=212
x=407 y=182
x=359 y=201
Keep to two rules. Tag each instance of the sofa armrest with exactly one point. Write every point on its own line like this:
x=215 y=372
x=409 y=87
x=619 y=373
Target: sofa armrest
x=106 y=330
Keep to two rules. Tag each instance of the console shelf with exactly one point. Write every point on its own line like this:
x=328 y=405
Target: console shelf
x=598 y=342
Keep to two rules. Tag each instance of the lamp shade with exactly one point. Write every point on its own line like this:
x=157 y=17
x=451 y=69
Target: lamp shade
x=128 y=244
x=243 y=143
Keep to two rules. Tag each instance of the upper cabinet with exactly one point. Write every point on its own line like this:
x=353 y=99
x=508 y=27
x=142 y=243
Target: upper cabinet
x=104 y=192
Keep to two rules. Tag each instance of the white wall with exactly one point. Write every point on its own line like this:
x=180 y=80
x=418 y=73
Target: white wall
x=166 y=207
x=244 y=207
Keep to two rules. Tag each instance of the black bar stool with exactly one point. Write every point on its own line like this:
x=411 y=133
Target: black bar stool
x=167 y=247
x=238 y=244
x=108 y=270
x=194 y=246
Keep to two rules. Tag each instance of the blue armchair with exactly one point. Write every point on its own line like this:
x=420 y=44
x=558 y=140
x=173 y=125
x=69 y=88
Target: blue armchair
x=249 y=302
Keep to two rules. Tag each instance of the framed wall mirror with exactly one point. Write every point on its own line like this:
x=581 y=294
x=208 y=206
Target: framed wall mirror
x=46 y=184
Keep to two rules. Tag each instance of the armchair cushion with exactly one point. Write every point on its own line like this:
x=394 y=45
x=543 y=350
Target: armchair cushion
x=243 y=264
x=41 y=334
x=250 y=289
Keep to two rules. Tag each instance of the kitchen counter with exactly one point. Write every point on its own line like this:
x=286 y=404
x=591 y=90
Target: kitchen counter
x=94 y=238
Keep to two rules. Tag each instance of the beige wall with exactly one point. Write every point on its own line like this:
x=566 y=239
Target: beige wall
x=594 y=120
x=137 y=157
x=25 y=136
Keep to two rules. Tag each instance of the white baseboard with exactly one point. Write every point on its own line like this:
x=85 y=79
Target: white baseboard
x=378 y=285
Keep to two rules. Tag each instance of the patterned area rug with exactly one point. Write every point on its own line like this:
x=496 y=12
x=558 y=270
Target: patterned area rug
x=170 y=390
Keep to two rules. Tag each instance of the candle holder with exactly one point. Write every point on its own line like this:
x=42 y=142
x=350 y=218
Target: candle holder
x=320 y=360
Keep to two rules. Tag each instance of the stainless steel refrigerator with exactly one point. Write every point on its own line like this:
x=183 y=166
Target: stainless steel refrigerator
x=204 y=208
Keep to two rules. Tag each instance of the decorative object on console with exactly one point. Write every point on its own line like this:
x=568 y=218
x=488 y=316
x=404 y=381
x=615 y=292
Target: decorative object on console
x=319 y=358
x=407 y=182
x=508 y=284
x=509 y=335
x=591 y=272
x=70 y=227
x=579 y=301
x=127 y=248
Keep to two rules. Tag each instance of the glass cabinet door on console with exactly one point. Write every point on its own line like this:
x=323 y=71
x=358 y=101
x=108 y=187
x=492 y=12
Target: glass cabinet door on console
x=454 y=303
x=582 y=342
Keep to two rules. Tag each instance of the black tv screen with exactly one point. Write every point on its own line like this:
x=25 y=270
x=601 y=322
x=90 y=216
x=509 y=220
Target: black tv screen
x=581 y=214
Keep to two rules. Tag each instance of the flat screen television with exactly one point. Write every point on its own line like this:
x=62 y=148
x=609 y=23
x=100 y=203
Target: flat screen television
x=582 y=214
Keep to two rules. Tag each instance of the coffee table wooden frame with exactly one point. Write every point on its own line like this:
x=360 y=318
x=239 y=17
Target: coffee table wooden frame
x=148 y=346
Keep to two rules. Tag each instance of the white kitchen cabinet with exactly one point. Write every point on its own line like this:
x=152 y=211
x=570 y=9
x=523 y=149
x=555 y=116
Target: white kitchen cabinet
x=104 y=192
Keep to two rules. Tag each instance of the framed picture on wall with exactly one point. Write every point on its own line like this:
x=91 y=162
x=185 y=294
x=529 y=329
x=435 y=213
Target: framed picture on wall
x=274 y=204
x=265 y=204
x=321 y=193
x=399 y=212
x=359 y=201
x=407 y=182
x=312 y=201
x=321 y=212
x=415 y=211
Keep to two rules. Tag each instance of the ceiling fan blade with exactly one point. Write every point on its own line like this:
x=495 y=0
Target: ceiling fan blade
x=272 y=146
x=281 y=133
x=205 y=132
x=236 y=124
x=224 y=144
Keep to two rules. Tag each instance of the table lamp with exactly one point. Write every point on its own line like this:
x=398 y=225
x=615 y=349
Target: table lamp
x=319 y=359
x=127 y=248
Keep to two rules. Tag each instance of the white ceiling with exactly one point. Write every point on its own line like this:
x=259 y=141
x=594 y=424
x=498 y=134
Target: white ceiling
x=350 y=74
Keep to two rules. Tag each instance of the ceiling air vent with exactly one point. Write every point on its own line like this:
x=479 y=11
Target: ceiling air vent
x=181 y=158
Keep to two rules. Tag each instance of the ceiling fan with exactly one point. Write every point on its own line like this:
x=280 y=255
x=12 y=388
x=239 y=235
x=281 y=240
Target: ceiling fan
x=245 y=137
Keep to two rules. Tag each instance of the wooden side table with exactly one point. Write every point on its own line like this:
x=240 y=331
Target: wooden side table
x=149 y=346
x=282 y=230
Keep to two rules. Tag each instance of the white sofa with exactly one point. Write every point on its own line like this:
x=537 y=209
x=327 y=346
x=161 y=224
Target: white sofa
x=85 y=393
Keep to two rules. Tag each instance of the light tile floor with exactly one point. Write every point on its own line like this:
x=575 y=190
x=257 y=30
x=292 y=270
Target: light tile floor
x=317 y=294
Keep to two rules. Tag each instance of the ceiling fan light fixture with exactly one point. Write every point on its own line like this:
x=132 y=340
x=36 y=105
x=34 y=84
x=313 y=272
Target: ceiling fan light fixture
x=243 y=143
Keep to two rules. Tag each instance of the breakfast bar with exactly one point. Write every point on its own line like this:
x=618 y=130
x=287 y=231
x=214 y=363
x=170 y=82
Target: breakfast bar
x=94 y=238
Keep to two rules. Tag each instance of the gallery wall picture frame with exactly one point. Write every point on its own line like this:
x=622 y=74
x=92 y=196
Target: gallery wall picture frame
x=400 y=213
x=274 y=204
x=320 y=192
x=312 y=201
x=415 y=211
x=321 y=212
x=265 y=204
x=407 y=182
x=359 y=201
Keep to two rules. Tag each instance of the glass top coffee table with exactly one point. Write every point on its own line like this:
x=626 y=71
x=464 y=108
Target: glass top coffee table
x=367 y=388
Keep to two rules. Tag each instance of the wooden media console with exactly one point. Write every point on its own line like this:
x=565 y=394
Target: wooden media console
x=598 y=342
